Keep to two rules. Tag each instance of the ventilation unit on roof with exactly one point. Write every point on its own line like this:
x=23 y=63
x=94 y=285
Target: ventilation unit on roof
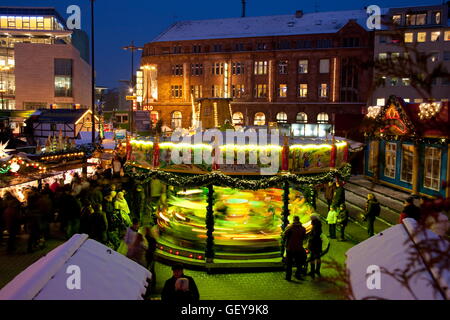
x=291 y=24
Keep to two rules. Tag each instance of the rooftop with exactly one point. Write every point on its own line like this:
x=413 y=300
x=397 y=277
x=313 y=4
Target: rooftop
x=32 y=11
x=279 y=25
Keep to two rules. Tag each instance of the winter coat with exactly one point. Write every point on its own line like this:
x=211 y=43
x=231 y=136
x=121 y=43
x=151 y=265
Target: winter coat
x=294 y=236
x=332 y=217
x=372 y=209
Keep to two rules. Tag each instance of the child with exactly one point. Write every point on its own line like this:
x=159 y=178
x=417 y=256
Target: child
x=332 y=221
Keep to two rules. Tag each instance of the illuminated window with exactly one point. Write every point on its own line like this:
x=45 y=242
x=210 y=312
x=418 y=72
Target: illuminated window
x=176 y=92
x=409 y=37
x=373 y=163
x=382 y=56
x=237 y=68
x=432 y=174
x=261 y=91
x=196 y=69
x=238 y=119
x=63 y=77
x=303 y=90
x=421 y=36
x=303 y=66
x=196 y=91
x=407 y=100
x=435 y=35
x=324 y=65
x=397 y=19
x=282 y=91
x=11 y=22
x=323 y=90
x=323 y=118
x=283 y=67
x=416 y=19
x=261 y=67
x=302 y=117
x=260 y=119
x=177 y=120
x=395 y=56
x=407 y=163
x=390 y=160
x=25 y=22
x=381 y=102
x=447 y=36
x=40 y=23
x=282 y=117
x=394 y=81
x=217 y=91
x=238 y=90
x=406 y=81
x=436 y=18
x=177 y=70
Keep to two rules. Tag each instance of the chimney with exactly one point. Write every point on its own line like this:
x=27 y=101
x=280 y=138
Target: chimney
x=299 y=13
x=243 y=8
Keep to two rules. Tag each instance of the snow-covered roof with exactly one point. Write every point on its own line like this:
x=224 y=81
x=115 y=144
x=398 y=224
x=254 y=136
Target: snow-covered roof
x=105 y=275
x=279 y=25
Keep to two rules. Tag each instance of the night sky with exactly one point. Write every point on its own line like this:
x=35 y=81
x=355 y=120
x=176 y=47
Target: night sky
x=119 y=21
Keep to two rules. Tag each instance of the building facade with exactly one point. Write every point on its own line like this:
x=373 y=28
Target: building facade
x=298 y=70
x=424 y=29
x=40 y=68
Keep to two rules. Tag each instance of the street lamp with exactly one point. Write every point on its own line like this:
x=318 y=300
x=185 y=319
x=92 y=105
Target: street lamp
x=93 y=70
x=133 y=49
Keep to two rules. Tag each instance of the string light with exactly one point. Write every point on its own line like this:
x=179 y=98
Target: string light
x=429 y=110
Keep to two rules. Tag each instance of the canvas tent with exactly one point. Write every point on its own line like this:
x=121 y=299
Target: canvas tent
x=392 y=250
x=104 y=275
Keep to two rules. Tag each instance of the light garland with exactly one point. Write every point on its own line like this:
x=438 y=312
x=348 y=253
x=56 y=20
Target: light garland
x=429 y=110
x=62 y=156
x=372 y=112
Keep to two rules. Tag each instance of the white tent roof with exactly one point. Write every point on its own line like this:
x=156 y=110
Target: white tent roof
x=391 y=250
x=105 y=275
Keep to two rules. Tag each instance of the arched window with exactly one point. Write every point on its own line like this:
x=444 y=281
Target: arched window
x=238 y=118
x=282 y=117
x=323 y=118
x=177 y=120
x=302 y=117
x=260 y=119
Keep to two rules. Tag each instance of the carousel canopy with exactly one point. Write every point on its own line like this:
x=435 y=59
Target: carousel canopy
x=392 y=251
x=104 y=274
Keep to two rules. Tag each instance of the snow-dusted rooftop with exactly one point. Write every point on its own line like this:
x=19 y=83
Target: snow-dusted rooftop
x=280 y=25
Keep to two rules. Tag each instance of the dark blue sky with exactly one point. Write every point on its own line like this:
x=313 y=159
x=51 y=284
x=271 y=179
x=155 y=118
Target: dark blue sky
x=120 y=21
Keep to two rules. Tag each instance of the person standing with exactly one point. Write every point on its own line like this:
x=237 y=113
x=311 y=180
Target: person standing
x=294 y=236
x=121 y=205
x=169 y=292
x=373 y=210
x=137 y=250
x=329 y=193
x=339 y=195
x=12 y=216
x=410 y=210
x=342 y=220
x=332 y=221
x=99 y=225
x=315 y=246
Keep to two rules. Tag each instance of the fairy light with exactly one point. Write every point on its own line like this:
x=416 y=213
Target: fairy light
x=429 y=110
x=373 y=112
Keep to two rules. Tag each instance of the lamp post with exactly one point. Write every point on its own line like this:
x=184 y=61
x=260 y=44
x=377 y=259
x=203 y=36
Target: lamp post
x=93 y=70
x=133 y=49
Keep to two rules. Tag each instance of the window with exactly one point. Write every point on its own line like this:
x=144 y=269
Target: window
x=177 y=70
x=324 y=43
x=397 y=19
x=303 y=90
x=394 y=81
x=390 y=160
x=196 y=69
x=284 y=45
x=407 y=163
x=304 y=44
x=395 y=56
x=63 y=77
x=416 y=19
x=421 y=36
x=177 y=120
x=381 y=102
x=382 y=56
x=261 y=91
x=350 y=42
x=122 y=118
x=383 y=39
x=324 y=65
x=323 y=118
x=406 y=81
x=239 y=47
x=217 y=48
x=282 y=90
x=261 y=46
x=177 y=92
x=436 y=18
x=196 y=91
x=237 y=90
x=282 y=117
x=432 y=175
x=261 y=67
x=40 y=23
x=303 y=66
x=407 y=100
x=373 y=163
x=435 y=35
x=237 y=68
x=26 y=23
x=418 y=100
x=260 y=119
x=447 y=36
x=302 y=117
x=196 y=49
x=446 y=55
x=283 y=67
x=409 y=37
x=216 y=91
x=238 y=119
x=177 y=50
x=323 y=90
x=218 y=68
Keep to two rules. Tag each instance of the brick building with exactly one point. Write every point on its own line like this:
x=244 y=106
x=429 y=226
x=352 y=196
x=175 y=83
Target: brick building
x=301 y=69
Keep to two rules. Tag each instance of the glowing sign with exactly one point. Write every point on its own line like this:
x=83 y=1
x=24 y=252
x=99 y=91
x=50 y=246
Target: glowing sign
x=394 y=121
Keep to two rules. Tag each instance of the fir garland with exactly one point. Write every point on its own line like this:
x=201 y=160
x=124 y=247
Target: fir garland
x=183 y=180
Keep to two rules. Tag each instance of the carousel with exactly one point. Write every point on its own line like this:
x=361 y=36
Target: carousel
x=227 y=213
